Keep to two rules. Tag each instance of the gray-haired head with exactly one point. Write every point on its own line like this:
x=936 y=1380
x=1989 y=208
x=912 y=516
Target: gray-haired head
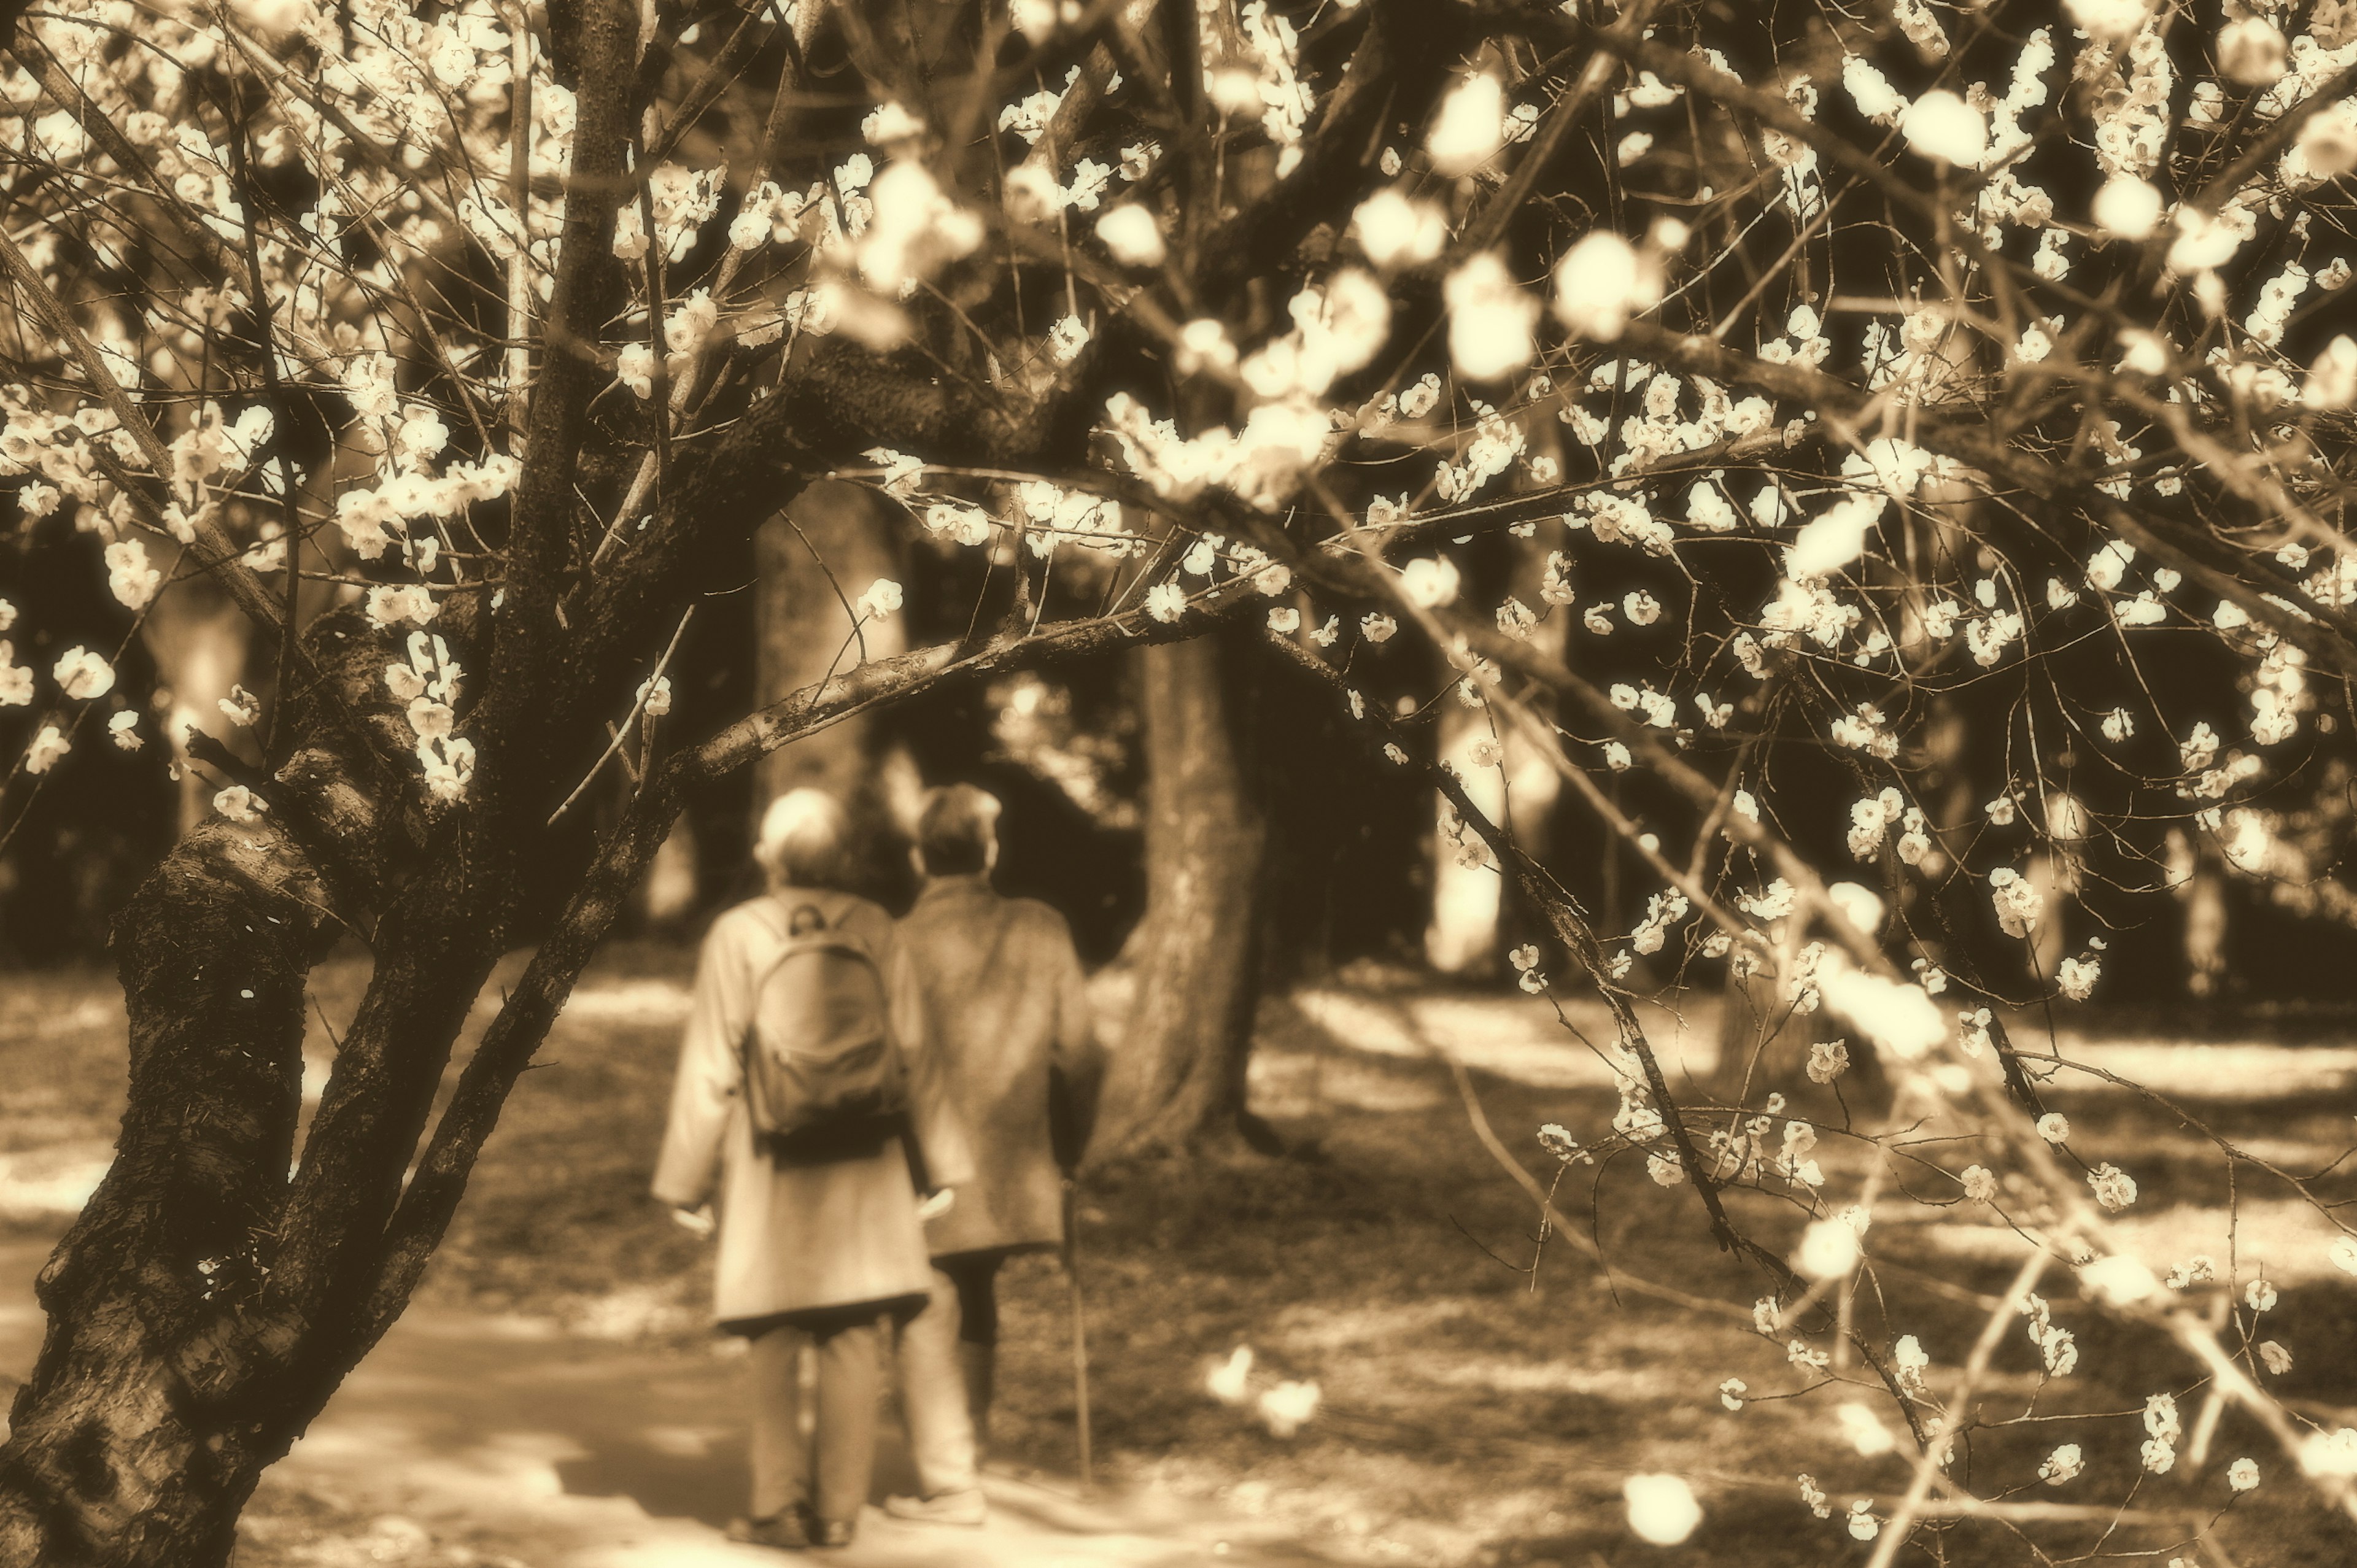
x=805 y=840
x=957 y=831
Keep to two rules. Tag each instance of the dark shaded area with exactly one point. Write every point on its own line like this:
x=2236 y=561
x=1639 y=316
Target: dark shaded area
x=94 y=827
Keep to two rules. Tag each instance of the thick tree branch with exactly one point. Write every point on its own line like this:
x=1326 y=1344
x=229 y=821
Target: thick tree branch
x=528 y=634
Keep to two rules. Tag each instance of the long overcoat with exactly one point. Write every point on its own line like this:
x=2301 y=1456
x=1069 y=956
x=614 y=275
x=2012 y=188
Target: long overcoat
x=800 y=1237
x=1006 y=1004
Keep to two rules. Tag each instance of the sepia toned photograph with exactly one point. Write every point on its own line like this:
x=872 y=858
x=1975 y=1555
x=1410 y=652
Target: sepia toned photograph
x=1168 y=783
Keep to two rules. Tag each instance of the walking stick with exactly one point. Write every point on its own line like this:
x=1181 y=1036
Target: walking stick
x=1080 y=1327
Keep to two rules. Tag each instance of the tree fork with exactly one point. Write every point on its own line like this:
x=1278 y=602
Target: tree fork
x=139 y=1438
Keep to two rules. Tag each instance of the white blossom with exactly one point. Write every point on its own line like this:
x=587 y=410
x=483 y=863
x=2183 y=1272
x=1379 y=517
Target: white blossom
x=238 y=804
x=82 y=675
x=2331 y=381
x=1942 y=125
x=1396 y=229
x=1428 y=582
x=1490 y=318
x=49 y=744
x=241 y=707
x=2063 y=1465
x=2128 y=208
x=2252 y=51
x=1600 y=283
x=1469 y=127
x=2113 y=1186
x=1661 y=1508
x=1132 y=237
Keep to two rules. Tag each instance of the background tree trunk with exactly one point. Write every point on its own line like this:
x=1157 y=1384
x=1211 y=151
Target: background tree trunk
x=1761 y=1041
x=827 y=549
x=1468 y=926
x=667 y=898
x=2199 y=883
x=1178 y=1078
x=200 y=640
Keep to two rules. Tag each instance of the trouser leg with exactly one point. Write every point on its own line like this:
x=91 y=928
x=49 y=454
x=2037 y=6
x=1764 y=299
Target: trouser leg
x=780 y=1463
x=977 y=1370
x=977 y=1279
x=850 y=1382
x=933 y=1394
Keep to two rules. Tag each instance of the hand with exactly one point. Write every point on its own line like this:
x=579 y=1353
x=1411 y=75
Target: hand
x=937 y=1205
x=696 y=1222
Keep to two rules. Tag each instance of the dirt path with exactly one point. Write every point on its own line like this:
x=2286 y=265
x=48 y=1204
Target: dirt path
x=506 y=1438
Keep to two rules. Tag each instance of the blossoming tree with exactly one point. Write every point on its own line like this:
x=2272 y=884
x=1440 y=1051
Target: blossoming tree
x=1749 y=402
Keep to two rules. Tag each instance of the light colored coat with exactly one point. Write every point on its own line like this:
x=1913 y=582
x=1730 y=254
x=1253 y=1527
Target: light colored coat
x=1006 y=1001
x=799 y=1237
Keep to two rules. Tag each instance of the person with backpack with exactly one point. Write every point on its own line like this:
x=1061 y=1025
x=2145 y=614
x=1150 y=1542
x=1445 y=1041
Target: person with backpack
x=806 y=1085
x=1008 y=1015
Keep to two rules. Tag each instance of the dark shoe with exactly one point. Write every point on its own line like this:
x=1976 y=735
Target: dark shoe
x=831 y=1532
x=786 y=1531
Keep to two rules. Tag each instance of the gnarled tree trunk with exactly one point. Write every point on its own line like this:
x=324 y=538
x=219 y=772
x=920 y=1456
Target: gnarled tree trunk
x=138 y=1426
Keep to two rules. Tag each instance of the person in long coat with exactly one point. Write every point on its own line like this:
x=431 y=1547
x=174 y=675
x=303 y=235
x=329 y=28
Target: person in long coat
x=821 y=1254
x=1008 y=1011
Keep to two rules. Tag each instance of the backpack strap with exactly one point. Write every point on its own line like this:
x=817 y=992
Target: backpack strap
x=760 y=983
x=782 y=931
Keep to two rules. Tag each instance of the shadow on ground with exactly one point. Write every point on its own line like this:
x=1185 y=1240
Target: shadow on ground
x=554 y=1401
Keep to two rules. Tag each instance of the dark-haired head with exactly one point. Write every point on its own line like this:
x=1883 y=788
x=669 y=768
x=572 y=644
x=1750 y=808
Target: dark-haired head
x=957 y=831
